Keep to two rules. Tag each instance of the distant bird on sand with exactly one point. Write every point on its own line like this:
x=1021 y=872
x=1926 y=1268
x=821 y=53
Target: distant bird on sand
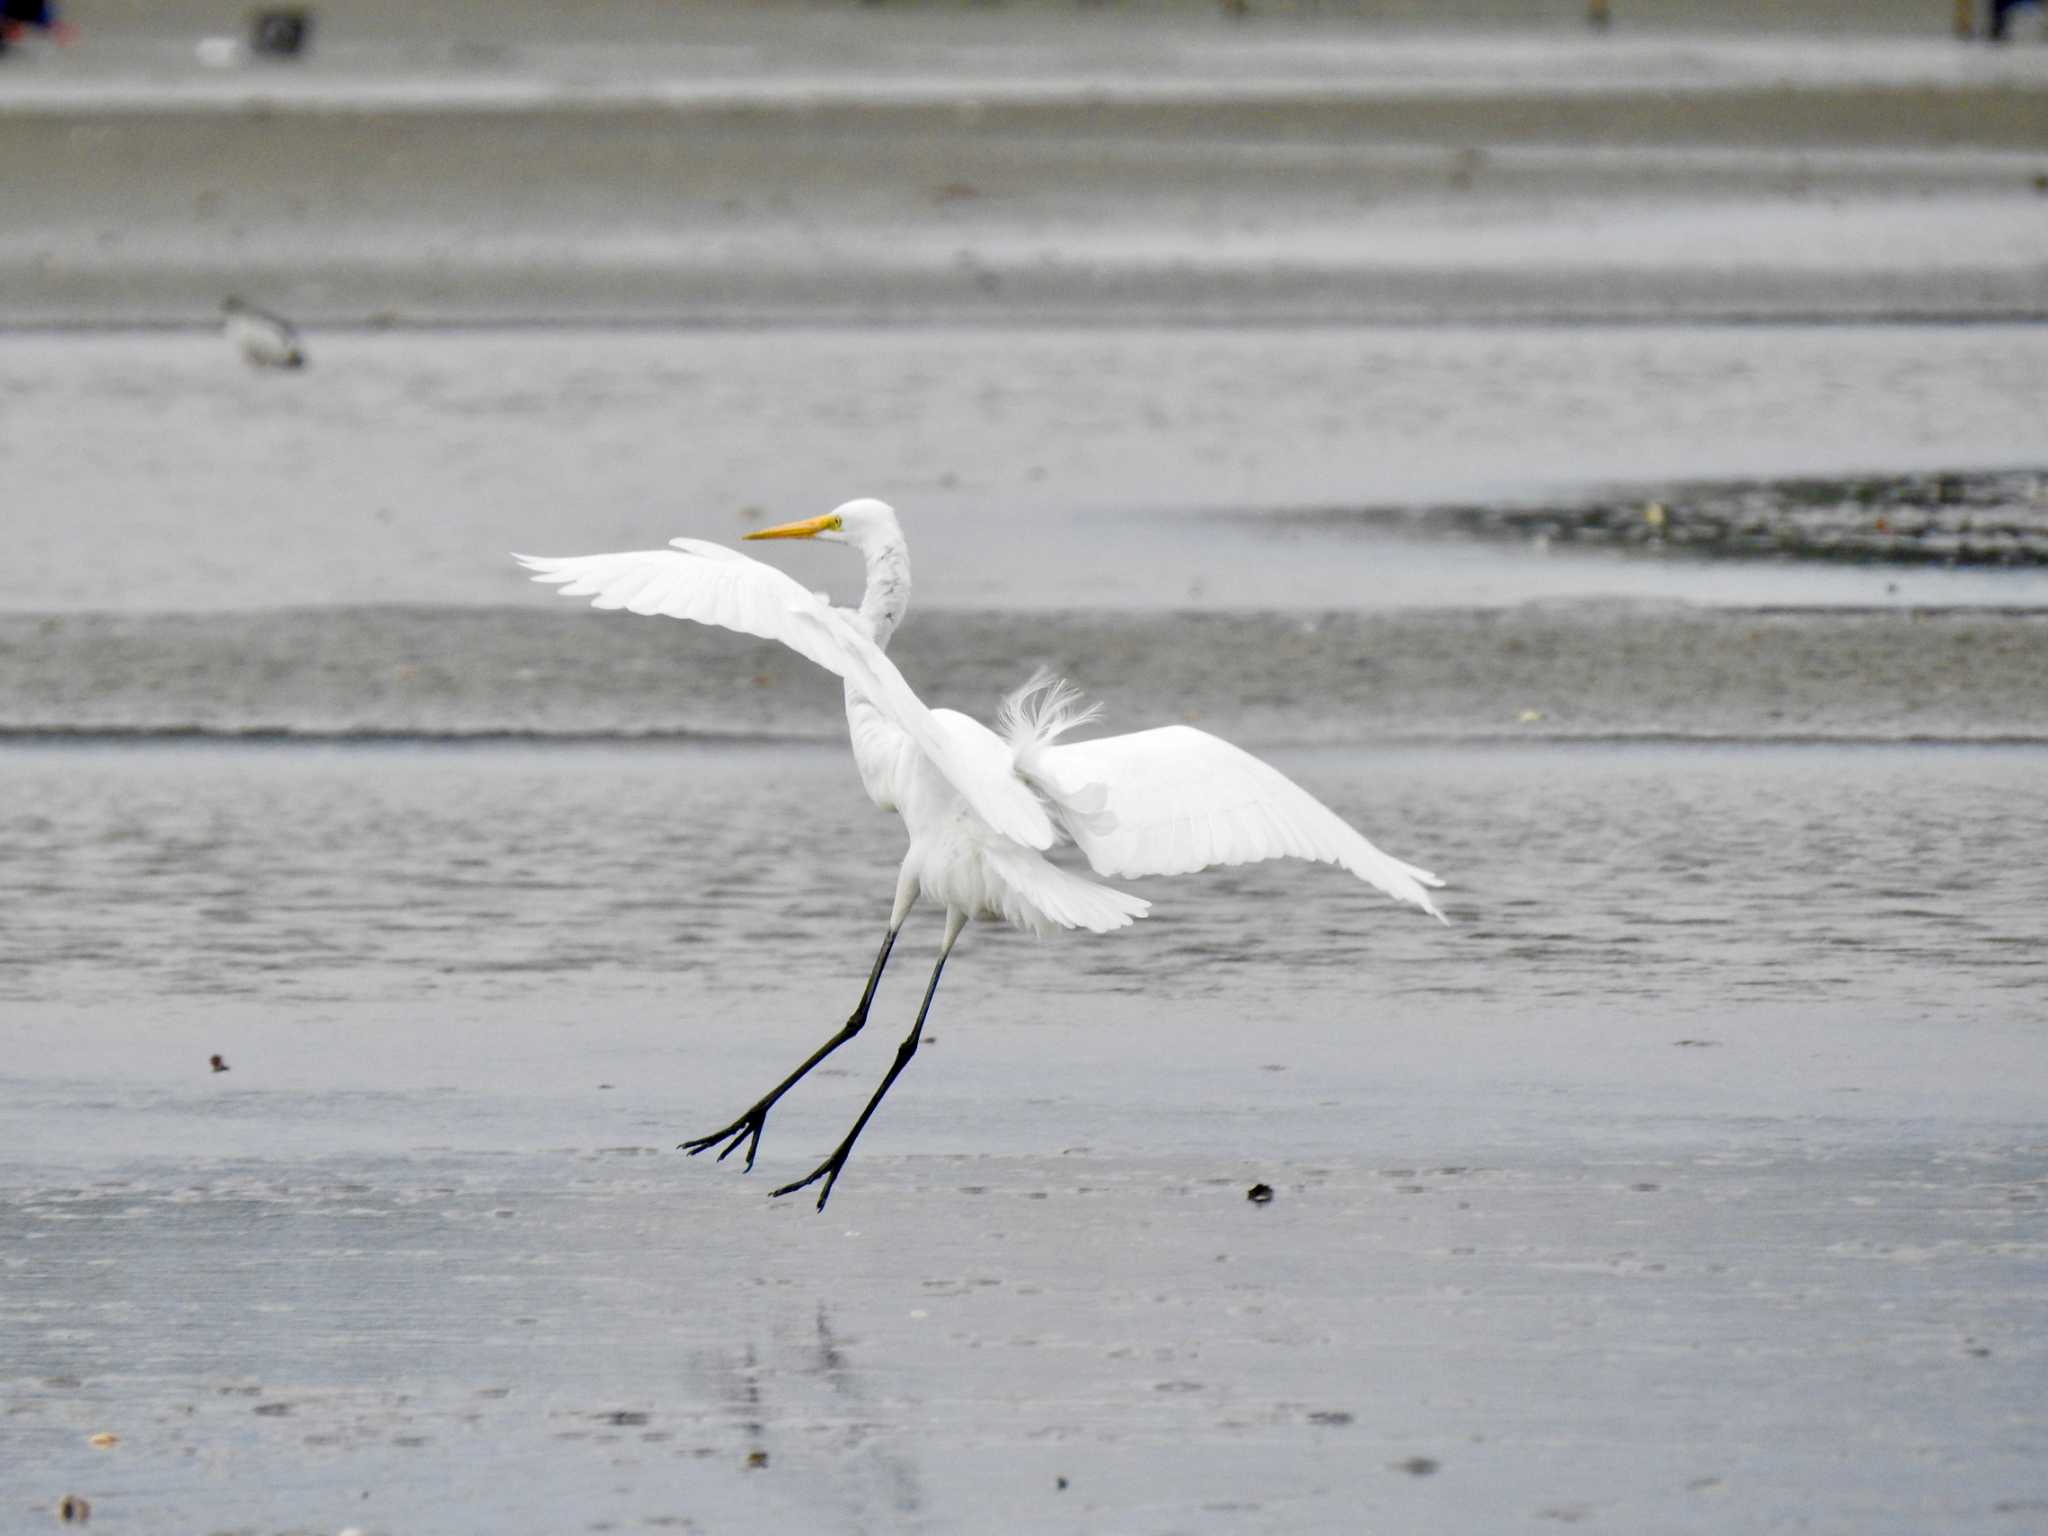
x=981 y=806
x=19 y=17
x=218 y=1063
x=264 y=340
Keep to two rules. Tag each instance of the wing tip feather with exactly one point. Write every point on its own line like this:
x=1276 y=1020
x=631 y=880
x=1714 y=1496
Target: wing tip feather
x=545 y=567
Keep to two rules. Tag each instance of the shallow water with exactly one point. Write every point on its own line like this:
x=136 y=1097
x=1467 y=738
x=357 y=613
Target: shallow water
x=1034 y=469
x=1710 y=1126
x=1864 y=875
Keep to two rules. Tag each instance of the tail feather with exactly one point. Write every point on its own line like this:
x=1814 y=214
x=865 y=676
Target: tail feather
x=1032 y=719
x=1043 y=710
x=1036 y=894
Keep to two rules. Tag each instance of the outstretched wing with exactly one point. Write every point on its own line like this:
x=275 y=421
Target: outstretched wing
x=1173 y=800
x=711 y=584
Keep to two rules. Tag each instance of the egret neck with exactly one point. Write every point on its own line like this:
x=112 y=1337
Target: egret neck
x=870 y=526
x=875 y=739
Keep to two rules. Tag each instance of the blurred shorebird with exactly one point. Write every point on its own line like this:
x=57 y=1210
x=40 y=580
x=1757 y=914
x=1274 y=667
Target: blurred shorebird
x=264 y=340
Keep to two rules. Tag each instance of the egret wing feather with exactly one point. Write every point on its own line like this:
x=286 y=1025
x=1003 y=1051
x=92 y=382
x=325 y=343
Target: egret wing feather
x=1173 y=800
x=710 y=584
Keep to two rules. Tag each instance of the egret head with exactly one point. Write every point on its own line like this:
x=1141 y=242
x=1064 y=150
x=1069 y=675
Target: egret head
x=863 y=523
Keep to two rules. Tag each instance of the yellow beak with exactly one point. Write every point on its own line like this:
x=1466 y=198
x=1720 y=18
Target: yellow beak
x=809 y=528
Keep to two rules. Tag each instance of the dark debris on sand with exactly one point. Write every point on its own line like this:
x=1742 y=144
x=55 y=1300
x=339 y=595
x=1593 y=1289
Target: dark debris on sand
x=1983 y=518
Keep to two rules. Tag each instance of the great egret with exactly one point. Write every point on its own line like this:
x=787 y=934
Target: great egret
x=264 y=340
x=981 y=806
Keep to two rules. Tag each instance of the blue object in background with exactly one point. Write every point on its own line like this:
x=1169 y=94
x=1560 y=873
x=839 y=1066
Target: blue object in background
x=15 y=15
x=2001 y=16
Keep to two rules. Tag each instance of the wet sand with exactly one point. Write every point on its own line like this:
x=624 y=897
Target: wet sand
x=1680 y=1185
x=1547 y=671
x=868 y=169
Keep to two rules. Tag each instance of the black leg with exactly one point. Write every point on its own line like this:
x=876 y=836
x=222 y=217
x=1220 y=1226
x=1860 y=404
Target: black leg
x=828 y=1170
x=748 y=1127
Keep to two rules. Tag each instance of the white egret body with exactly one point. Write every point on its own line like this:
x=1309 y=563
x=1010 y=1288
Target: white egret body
x=982 y=806
x=263 y=339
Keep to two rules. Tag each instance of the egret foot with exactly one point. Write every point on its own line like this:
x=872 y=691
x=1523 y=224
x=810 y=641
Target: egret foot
x=747 y=1128
x=828 y=1170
